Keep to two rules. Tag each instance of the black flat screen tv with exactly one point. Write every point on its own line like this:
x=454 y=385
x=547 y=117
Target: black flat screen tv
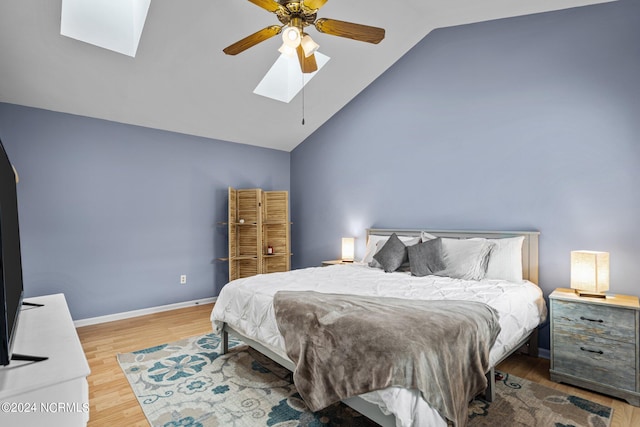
x=11 y=287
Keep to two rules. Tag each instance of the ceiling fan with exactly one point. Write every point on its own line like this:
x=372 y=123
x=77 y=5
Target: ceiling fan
x=295 y=15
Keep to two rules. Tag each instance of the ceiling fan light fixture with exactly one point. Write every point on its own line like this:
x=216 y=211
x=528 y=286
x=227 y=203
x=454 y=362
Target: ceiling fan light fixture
x=291 y=36
x=287 y=50
x=308 y=45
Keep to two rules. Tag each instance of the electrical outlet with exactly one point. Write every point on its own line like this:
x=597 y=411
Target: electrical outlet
x=183 y=279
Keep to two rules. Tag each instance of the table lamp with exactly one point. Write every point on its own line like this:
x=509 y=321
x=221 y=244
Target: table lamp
x=348 y=246
x=590 y=273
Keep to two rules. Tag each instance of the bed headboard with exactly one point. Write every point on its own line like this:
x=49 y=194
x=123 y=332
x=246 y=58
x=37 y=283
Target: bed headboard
x=529 y=245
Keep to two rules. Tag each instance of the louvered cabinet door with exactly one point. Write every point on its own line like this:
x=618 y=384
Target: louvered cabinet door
x=275 y=232
x=245 y=231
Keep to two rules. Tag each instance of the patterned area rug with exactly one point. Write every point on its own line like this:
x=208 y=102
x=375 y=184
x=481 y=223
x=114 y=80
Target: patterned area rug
x=188 y=384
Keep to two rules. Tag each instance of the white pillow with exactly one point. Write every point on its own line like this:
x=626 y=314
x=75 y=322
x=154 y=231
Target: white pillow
x=465 y=258
x=505 y=261
x=426 y=236
x=371 y=249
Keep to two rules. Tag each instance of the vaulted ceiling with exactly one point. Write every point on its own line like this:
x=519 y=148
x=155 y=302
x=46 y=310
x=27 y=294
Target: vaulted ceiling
x=181 y=81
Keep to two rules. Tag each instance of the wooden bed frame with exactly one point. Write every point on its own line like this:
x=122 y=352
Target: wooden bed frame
x=528 y=344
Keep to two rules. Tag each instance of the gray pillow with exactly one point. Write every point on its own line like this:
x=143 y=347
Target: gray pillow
x=374 y=263
x=426 y=258
x=407 y=242
x=392 y=254
x=466 y=258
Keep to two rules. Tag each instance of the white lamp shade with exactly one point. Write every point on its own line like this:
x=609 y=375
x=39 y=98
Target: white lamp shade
x=308 y=45
x=287 y=50
x=291 y=36
x=590 y=271
x=348 y=248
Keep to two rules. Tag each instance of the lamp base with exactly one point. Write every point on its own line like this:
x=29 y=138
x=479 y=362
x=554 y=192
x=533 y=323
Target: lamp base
x=346 y=260
x=590 y=294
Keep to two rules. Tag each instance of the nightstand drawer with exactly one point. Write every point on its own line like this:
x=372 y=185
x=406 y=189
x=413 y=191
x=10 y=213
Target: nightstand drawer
x=598 y=320
x=600 y=360
x=594 y=343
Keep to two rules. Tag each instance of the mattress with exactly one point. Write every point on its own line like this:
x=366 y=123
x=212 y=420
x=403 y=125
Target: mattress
x=246 y=305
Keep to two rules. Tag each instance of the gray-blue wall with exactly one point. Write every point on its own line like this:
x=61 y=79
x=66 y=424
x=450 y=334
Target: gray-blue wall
x=529 y=123
x=523 y=123
x=112 y=214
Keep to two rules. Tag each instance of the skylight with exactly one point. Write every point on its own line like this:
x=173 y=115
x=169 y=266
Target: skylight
x=112 y=24
x=285 y=79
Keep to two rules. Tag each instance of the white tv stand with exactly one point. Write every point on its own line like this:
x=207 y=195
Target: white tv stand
x=53 y=392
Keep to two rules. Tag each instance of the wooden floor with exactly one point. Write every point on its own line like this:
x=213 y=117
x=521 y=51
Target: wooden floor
x=112 y=402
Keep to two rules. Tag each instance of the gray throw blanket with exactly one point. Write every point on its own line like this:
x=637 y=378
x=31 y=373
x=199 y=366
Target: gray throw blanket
x=345 y=345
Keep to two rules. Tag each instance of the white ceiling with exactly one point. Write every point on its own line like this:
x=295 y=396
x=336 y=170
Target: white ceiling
x=181 y=81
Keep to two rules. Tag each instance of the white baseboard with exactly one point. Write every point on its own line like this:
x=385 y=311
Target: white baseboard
x=141 y=312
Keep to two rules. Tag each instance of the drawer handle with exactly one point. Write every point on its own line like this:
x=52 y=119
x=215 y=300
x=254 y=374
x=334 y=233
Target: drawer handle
x=591 y=351
x=591 y=320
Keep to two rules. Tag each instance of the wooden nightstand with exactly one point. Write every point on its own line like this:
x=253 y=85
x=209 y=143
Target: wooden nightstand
x=335 y=262
x=595 y=344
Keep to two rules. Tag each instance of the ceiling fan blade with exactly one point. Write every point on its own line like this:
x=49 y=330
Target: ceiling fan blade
x=363 y=33
x=252 y=40
x=314 y=4
x=270 y=5
x=307 y=64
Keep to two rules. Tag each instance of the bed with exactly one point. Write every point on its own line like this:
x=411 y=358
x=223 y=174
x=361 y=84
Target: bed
x=244 y=307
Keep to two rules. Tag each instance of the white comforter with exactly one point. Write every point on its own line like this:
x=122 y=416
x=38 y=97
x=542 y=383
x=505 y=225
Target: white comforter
x=246 y=305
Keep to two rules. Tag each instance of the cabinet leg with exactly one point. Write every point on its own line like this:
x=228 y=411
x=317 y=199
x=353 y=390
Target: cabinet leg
x=635 y=401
